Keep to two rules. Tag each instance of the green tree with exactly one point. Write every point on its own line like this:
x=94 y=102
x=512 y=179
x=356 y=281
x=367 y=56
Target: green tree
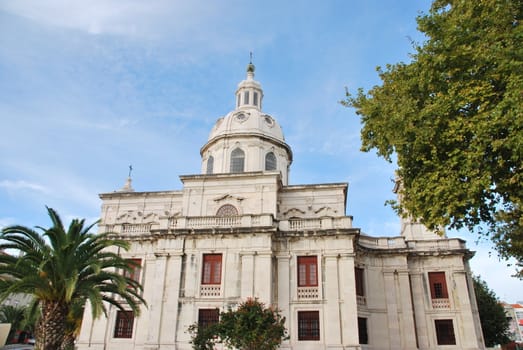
x=60 y=268
x=251 y=326
x=453 y=118
x=494 y=323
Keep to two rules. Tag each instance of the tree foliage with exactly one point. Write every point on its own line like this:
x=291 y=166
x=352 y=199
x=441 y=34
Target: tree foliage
x=63 y=269
x=251 y=326
x=494 y=323
x=15 y=315
x=453 y=118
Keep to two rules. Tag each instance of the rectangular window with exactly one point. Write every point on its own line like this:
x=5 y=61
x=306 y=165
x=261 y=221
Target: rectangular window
x=135 y=269
x=438 y=285
x=362 y=330
x=255 y=98
x=307 y=271
x=212 y=269
x=246 y=98
x=123 y=326
x=360 y=289
x=207 y=317
x=308 y=325
x=445 y=332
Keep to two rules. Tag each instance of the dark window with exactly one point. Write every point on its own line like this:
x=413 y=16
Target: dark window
x=207 y=317
x=307 y=271
x=362 y=330
x=445 y=332
x=123 y=326
x=246 y=98
x=438 y=285
x=360 y=286
x=237 y=161
x=308 y=325
x=255 y=98
x=227 y=210
x=210 y=164
x=270 y=161
x=212 y=269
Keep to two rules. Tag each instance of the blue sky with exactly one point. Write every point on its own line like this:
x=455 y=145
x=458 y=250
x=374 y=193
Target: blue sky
x=89 y=87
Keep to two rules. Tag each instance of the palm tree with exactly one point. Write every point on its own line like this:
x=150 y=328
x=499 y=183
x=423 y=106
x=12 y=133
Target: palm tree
x=15 y=315
x=61 y=268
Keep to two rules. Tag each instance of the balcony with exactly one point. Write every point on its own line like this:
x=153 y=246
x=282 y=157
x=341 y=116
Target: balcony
x=308 y=293
x=440 y=303
x=210 y=290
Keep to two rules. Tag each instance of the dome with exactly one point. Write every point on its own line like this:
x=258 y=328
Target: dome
x=247 y=122
x=255 y=137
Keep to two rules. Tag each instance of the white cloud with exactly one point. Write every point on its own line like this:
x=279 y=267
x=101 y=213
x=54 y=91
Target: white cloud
x=21 y=185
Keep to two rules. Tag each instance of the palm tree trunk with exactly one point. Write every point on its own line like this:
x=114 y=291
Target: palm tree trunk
x=68 y=342
x=50 y=329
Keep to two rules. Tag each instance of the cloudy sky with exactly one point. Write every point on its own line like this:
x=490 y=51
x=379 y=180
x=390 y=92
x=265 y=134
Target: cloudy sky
x=89 y=87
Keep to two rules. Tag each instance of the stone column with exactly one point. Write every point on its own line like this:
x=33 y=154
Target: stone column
x=418 y=302
x=331 y=325
x=392 y=310
x=407 y=318
x=349 y=307
x=284 y=292
x=468 y=324
x=262 y=271
x=247 y=275
x=155 y=283
x=171 y=294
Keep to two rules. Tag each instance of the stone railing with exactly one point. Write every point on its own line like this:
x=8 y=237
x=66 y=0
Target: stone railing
x=440 y=303
x=308 y=293
x=382 y=242
x=361 y=299
x=312 y=224
x=210 y=290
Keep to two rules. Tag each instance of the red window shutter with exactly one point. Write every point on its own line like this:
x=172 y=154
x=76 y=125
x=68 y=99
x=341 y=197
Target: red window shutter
x=438 y=285
x=212 y=269
x=307 y=271
x=136 y=267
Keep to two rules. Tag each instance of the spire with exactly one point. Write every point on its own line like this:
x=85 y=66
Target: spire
x=249 y=93
x=250 y=68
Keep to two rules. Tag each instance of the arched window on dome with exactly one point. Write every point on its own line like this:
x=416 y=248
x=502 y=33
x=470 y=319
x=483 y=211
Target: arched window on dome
x=210 y=165
x=270 y=161
x=237 y=160
x=227 y=210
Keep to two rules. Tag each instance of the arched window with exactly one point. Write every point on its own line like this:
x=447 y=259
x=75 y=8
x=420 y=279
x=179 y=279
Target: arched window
x=237 y=160
x=210 y=165
x=270 y=161
x=227 y=210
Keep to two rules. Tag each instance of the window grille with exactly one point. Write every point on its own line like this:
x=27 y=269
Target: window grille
x=308 y=325
x=227 y=210
x=208 y=317
x=445 y=332
x=123 y=327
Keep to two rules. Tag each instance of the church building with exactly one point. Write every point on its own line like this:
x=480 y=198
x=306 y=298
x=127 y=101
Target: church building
x=239 y=230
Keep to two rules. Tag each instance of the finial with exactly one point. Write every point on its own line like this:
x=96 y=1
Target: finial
x=250 y=66
x=128 y=183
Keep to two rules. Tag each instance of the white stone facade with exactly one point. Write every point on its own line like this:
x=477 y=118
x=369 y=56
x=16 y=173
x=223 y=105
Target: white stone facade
x=240 y=231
